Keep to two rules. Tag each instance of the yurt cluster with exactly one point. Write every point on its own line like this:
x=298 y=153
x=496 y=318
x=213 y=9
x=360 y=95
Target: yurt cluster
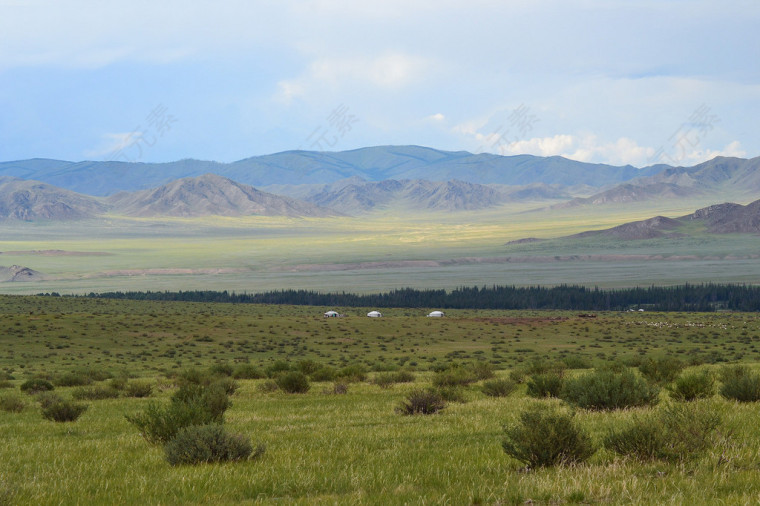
x=378 y=314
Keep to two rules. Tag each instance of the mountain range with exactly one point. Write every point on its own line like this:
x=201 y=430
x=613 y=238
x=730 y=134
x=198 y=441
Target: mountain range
x=553 y=180
x=379 y=163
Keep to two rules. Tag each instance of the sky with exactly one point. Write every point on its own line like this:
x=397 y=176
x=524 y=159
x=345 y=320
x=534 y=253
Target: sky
x=616 y=81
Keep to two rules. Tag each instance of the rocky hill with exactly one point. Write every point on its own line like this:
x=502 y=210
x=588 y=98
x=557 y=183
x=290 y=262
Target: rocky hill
x=32 y=201
x=16 y=273
x=208 y=195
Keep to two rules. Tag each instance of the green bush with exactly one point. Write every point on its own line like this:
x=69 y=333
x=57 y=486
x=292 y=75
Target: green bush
x=227 y=384
x=689 y=387
x=499 y=387
x=293 y=382
x=119 y=383
x=326 y=373
x=547 y=436
x=267 y=386
x=548 y=384
x=202 y=444
x=138 y=389
x=221 y=369
x=195 y=377
x=451 y=394
x=247 y=371
x=95 y=393
x=71 y=379
x=608 y=389
x=36 y=385
x=421 y=402
x=339 y=388
x=386 y=379
x=277 y=368
x=307 y=367
x=63 y=411
x=4 y=383
x=661 y=370
x=677 y=432
x=47 y=399
x=190 y=405
x=454 y=376
x=740 y=384
x=353 y=373
x=12 y=403
x=482 y=370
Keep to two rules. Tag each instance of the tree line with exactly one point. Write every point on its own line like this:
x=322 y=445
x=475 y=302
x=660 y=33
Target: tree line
x=687 y=297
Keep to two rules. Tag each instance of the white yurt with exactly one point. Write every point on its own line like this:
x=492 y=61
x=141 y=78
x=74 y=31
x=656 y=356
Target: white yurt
x=374 y=314
x=436 y=314
x=331 y=314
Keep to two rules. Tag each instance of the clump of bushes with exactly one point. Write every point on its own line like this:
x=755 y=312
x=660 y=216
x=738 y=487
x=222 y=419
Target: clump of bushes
x=138 y=389
x=324 y=373
x=387 y=379
x=499 y=387
x=36 y=385
x=209 y=443
x=537 y=367
x=740 y=384
x=421 y=402
x=95 y=393
x=293 y=382
x=547 y=384
x=609 y=388
x=692 y=386
x=267 y=386
x=547 y=436
x=247 y=371
x=679 y=431
x=454 y=376
x=661 y=370
x=4 y=383
x=190 y=405
x=353 y=373
x=12 y=403
x=63 y=411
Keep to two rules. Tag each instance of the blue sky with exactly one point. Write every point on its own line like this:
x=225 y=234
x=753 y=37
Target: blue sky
x=616 y=81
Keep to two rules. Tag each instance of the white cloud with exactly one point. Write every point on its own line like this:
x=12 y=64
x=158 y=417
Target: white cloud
x=113 y=143
x=437 y=117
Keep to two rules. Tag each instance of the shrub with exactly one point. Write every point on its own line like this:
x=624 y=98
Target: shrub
x=293 y=382
x=386 y=379
x=546 y=436
x=740 y=384
x=689 y=387
x=47 y=399
x=138 y=389
x=421 y=402
x=609 y=389
x=307 y=367
x=247 y=371
x=323 y=374
x=340 y=387
x=548 y=384
x=195 y=377
x=677 y=432
x=227 y=384
x=278 y=367
x=482 y=370
x=190 y=405
x=36 y=385
x=353 y=373
x=661 y=370
x=95 y=393
x=221 y=369
x=63 y=411
x=499 y=387
x=576 y=362
x=119 y=383
x=267 y=386
x=12 y=403
x=454 y=376
x=4 y=383
x=209 y=443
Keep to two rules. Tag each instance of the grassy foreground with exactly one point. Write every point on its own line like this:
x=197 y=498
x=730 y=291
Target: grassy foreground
x=354 y=448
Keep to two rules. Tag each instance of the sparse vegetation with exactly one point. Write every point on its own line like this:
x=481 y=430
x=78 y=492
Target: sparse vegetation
x=609 y=388
x=204 y=444
x=421 y=402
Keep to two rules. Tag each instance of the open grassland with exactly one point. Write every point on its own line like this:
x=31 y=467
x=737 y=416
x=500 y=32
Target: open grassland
x=378 y=252
x=324 y=448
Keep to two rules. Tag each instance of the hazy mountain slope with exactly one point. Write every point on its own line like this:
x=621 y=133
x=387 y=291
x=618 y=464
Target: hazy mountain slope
x=730 y=218
x=720 y=177
x=32 y=200
x=658 y=226
x=415 y=194
x=309 y=167
x=16 y=273
x=210 y=195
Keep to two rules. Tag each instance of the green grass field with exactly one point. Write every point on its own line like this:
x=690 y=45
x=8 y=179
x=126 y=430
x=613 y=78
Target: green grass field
x=379 y=252
x=324 y=448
